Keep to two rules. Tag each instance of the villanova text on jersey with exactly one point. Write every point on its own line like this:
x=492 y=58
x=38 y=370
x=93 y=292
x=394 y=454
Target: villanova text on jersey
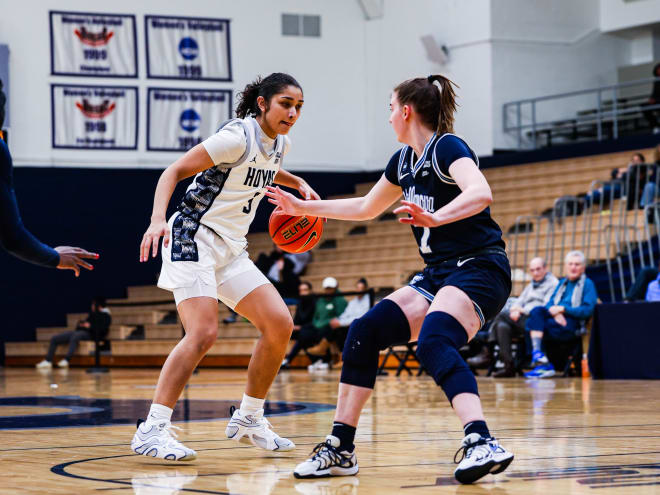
x=257 y=177
x=426 y=182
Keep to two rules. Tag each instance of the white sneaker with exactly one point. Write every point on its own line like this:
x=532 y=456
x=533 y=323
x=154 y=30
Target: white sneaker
x=256 y=430
x=44 y=365
x=326 y=460
x=63 y=363
x=318 y=366
x=480 y=457
x=158 y=439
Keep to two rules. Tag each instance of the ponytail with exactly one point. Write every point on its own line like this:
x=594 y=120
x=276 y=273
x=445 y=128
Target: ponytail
x=435 y=104
x=267 y=87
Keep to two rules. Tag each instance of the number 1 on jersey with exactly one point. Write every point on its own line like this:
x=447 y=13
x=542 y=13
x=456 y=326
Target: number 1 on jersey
x=424 y=242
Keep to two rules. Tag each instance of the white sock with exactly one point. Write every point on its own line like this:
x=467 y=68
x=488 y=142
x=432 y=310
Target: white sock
x=159 y=412
x=250 y=405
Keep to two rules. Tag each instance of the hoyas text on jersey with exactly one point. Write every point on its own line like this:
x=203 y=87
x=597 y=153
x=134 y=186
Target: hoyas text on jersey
x=257 y=177
x=422 y=200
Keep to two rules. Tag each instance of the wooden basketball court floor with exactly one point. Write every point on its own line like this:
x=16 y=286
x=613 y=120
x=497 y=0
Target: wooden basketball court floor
x=68 y=432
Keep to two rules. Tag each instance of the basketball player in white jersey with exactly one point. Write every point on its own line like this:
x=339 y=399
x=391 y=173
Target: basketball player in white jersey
x=204 y=259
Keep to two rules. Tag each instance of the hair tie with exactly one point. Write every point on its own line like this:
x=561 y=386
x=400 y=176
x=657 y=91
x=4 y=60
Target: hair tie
x=430 y=79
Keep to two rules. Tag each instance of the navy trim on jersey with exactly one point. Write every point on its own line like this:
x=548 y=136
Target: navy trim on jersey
x=194 y=204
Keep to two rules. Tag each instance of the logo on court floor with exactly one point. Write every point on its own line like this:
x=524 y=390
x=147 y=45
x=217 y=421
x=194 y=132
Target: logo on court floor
x=73 y=411
x=614 y=476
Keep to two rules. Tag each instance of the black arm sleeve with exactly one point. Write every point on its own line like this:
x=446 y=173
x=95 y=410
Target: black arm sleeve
x=14 y=237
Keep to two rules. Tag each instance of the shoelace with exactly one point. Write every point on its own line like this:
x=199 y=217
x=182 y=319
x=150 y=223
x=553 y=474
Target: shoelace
x=479 y=446
x=327 y=454
x=169 y=428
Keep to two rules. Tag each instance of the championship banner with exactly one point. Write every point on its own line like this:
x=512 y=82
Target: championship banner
x=178 y=119
x=99 y=45
x=87 y=44
x=187 y=48
x=94 y=117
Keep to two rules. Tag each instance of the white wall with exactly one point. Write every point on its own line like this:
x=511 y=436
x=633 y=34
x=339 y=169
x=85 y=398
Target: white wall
x=543 y=48
x=394 y=53
x=330 y=70
x=623 y=14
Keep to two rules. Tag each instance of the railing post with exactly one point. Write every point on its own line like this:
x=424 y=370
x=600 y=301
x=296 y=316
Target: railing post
x=615 y=120
x=536 y=143
x=599 y=120
x=519 y=119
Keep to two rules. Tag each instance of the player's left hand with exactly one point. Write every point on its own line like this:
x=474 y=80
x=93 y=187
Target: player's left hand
x=306 y=191
x=418 y=216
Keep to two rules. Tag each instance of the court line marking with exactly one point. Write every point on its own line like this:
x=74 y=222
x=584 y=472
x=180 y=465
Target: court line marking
x=60 y=469
x=452 y=439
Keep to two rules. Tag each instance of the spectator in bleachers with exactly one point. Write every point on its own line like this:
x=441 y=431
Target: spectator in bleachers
x=651 y=190
x=280 y=270
x=303 y=331
x=3 y=101
x=300 y=261
x=96 y=325
x=327 y=307
x=654 y=99
x=639 y=288
x=511 y=323
x=616 y=188
x=356 y=308
x=653 y=291
x=562 y=318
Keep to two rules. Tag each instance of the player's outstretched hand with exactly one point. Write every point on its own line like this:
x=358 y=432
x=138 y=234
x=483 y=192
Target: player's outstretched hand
x=287 y=202
x=71 y=258
x=418 y=216
x=306 y=191
x=151 y=237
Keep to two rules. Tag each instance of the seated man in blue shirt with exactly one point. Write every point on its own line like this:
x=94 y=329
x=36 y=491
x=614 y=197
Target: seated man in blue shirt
x=570 y=305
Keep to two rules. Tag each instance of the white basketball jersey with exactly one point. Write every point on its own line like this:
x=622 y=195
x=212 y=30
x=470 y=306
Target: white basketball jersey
x=224 y=198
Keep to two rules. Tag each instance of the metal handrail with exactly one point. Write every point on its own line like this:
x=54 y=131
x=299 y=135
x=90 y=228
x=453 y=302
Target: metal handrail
x=602 y=114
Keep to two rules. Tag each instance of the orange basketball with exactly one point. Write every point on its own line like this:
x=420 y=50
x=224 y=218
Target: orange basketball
x=294 y=234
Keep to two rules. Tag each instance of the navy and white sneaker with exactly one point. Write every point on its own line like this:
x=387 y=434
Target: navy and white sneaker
x=256 y=430
x=158 y=439
x=541 y=371
x=538 y=358
x=480 y=457
x=327 y=460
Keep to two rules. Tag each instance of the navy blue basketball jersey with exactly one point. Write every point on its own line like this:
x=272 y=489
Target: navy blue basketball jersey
x=426 y=182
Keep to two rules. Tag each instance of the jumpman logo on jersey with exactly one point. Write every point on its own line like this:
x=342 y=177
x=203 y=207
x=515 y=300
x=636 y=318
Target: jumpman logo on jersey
x=254 y=159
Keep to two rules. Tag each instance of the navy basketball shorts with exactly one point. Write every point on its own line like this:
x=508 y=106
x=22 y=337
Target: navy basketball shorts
x=485 y=278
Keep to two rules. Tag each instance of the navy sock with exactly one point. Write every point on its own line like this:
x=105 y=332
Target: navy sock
x=346 y=434
x=477 y=427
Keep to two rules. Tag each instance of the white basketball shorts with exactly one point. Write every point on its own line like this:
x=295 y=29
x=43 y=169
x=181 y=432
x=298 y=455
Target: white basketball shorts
x=217 y=272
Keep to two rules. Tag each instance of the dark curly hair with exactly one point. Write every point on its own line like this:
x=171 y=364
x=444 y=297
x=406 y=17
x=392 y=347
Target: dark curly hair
x=266 y=87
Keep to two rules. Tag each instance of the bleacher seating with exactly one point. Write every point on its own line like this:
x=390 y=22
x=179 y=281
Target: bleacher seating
x=385 y=253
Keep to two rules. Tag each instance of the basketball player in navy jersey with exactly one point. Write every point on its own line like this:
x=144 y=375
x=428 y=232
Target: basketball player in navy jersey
x=466 y=281
x=205 y=259
x=17 y=240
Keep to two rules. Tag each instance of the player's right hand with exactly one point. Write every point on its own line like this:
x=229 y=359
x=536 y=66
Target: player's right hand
x=71 y=258
x=151 y=237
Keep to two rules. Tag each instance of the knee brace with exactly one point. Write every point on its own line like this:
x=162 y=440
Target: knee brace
x=382 y=326
x=437 y=350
